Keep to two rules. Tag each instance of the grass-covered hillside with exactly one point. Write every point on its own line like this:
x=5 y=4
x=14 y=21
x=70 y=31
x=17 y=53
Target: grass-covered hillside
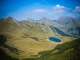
x=66 y=51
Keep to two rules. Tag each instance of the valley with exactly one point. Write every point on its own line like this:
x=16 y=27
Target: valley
x=29 y=39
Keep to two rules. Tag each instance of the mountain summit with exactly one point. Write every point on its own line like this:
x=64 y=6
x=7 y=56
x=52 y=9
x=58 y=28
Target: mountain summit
x=65 y=19
x=44 y=18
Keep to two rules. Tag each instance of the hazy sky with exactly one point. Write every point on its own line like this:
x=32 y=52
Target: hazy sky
x=52 y=9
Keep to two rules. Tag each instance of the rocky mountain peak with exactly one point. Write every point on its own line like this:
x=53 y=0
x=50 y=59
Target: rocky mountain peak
x=44 y=18
x=65 y=19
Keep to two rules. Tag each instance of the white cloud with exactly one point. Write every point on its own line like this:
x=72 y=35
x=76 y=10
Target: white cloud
x=75 y=15
x=72 y=15
x=58 y=7
x=39 y=10
x=77 y=9
x=58 y=11
x=76 y=12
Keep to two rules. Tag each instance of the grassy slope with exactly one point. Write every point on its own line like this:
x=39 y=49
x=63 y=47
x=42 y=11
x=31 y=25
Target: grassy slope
x=67 y=51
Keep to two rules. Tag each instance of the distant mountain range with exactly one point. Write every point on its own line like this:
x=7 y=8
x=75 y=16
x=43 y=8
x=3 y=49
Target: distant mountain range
x=65 y=26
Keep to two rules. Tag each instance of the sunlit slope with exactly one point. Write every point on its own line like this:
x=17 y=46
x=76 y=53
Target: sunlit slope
x=68 y=51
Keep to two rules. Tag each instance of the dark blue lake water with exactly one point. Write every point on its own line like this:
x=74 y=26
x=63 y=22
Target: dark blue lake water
x=54 y=39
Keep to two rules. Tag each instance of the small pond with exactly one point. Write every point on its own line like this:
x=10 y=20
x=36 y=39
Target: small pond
x=54 y=39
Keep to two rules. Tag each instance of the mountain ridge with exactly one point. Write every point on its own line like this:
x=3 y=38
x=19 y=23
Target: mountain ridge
x=72 y=24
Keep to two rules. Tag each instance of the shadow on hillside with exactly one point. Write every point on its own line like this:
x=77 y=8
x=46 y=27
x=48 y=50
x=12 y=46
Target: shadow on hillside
x=2 y=39
x=60 y=32
x=12 y=49
x=3 y=55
